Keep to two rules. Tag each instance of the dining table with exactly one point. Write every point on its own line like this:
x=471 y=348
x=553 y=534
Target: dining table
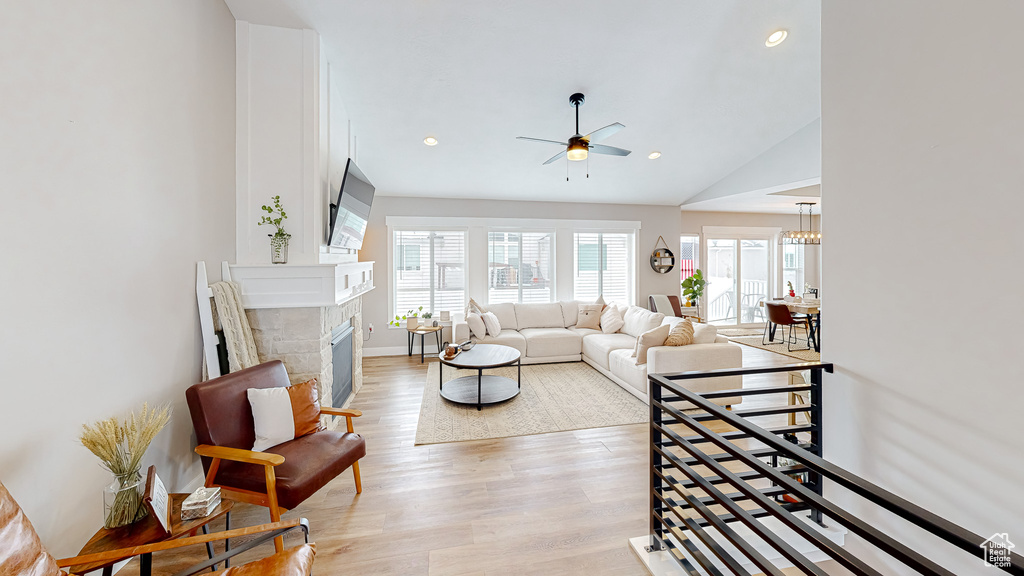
x=811 y=308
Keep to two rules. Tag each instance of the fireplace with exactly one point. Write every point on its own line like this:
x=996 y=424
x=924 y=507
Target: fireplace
x=341 y=356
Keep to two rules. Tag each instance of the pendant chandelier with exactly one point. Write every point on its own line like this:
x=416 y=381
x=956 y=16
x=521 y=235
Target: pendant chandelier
x=802 y=236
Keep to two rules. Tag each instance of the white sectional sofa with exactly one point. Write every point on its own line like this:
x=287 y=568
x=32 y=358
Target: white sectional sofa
x=545 y=333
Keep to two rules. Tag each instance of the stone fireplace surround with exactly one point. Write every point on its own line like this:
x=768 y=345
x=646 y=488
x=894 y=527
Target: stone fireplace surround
x=293 y=310
x=301 y=338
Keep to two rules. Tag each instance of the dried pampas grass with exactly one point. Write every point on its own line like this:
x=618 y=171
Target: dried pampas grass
x=120 y=446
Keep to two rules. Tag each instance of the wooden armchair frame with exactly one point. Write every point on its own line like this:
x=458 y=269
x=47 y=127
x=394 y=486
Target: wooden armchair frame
x=268 y=461
x=275 y=530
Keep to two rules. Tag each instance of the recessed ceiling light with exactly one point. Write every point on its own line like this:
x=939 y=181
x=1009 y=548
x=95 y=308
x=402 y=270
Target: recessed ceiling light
x=776 y=38
x=654 y=155
x=430 y=141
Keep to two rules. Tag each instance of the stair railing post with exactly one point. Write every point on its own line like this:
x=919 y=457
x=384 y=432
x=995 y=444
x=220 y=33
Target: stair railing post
x=817 y=435
x=656 y=543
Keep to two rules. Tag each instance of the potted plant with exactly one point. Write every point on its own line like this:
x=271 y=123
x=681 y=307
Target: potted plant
x=693 y=287
x=279 y=239
x=412 y=320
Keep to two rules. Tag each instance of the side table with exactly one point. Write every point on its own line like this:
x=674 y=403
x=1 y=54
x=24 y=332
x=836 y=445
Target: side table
x=422 y=332
x=149 y=531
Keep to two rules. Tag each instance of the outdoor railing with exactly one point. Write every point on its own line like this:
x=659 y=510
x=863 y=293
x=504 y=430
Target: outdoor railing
x=698 y=494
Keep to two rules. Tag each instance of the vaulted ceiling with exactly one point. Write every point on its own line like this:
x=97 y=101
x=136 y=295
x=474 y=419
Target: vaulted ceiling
x=691 y=79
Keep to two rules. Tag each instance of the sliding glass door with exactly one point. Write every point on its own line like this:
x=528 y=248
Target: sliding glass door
x=738 y=272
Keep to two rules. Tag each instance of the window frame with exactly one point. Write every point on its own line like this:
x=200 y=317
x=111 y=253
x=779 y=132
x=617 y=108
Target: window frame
x=393 y=230
x=632 y=265
x=521 y=231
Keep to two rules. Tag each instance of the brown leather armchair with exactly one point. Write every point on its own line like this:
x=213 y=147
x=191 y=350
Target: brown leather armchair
x=23 y=554
x=281 y=477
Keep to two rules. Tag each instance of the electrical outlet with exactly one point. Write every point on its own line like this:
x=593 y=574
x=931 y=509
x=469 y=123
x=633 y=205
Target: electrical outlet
x=371 y=328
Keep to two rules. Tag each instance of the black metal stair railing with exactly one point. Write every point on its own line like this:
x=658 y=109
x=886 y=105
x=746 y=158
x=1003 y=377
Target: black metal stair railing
x=703 y=483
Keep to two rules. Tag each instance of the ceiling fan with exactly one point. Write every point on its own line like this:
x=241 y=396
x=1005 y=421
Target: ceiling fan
x=578 y=147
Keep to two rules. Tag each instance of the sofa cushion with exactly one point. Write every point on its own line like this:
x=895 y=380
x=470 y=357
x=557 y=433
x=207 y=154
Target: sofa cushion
x=539 y=315
x=506 y=313
x=637 y=321
x=611 y=319
x=584 y=331
x=589 y=316
x=491 y=323
x=506 y=338
x=476 y=325
x=622 y=364
x=570 y=310
x=598 y=346
x=704 y=333
x=544 y=342
x=654 y=337
x=680 y=333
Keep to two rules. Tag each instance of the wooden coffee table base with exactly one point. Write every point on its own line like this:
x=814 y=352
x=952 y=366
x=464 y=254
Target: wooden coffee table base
x=480 y=389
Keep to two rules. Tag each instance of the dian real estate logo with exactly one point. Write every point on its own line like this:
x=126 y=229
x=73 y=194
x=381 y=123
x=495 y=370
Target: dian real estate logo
x=997 y=550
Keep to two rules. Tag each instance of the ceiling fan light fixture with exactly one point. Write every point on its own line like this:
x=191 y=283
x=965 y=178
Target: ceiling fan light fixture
x=430 y=141
x=654 y=155
x=577 y=150
x=776 y=38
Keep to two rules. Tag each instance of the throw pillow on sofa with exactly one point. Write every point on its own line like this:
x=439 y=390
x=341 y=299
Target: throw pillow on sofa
x=650 y=339
x=589 y=316
x=473 y=308
x=681 y=334
x=704 y=334
x=637 y=321
x=491 y=322
x=476 y=325
x=611 y=319
x=282 y=414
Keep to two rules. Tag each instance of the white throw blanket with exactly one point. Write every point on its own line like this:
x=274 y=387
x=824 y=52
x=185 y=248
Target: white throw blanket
x=227 y=301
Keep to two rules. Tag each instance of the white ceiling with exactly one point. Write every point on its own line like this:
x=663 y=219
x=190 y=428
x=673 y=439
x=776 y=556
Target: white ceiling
x=691 y=79
x=761 y=201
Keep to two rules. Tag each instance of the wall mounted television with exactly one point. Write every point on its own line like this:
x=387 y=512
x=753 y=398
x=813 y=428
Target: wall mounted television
x=351 y=211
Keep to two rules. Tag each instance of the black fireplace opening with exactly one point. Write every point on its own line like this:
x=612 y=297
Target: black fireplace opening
x=341 y=358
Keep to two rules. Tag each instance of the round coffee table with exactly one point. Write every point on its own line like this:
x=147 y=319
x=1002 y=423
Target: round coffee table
x=480 y=389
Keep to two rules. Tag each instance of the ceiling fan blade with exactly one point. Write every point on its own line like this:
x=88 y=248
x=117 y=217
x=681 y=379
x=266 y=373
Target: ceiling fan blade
x=553 y=158
x=602 y=149
x=602 y=133
x=541 y=140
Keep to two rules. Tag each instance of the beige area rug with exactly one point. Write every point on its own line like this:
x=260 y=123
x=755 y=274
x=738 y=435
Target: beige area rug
x=554 y=398
x=779 y=348
x=730 y=332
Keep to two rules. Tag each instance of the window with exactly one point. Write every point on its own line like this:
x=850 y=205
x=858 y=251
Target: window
x=689 y=255
x=519 y=267
x=793 y=268
x=603 y=266
x=430 y=270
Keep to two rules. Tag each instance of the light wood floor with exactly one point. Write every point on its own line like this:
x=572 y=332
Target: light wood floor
x=560 y=503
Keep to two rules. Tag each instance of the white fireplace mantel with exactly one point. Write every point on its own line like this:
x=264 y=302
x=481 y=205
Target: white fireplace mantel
x=299 y=286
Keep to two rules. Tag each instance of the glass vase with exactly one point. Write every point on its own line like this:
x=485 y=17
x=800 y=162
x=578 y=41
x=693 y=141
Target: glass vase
x=122 y=501
x=278 y=250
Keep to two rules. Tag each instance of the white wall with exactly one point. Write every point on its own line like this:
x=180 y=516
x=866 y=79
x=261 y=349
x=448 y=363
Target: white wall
x=655 y=221
x=281 y=102
x=922 y=152
x=117 y=175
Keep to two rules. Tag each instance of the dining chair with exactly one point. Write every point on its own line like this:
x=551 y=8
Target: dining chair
x=779 y=314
